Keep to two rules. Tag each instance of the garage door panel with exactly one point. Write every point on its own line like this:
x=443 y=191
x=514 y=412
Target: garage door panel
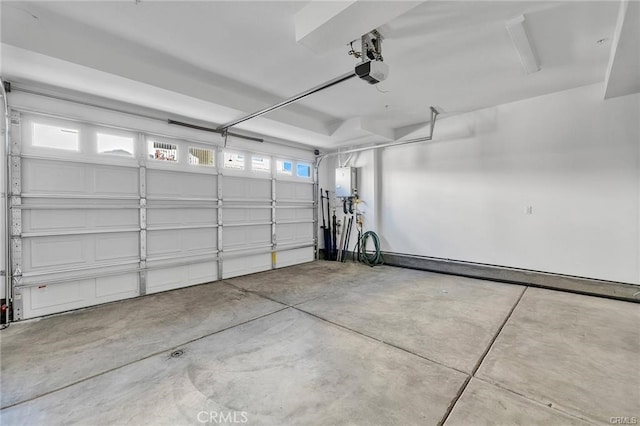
x=163 y=183
x=162 y=242
x=202 y=272
x=244 y=215
x=112 y=218
x=77 y=220
x=54 y=298
x=246 y=236
x=164 y=279
x=47 y=296
x=181 y=216
x=129 y=203
x=123 y=285
x=199 y=239
x=54 y=252
x=294 y=232
x=182 y=241
x=246 y=265
x=294 y=214
x=120 y=246
x=294 y=257
x=60 y=177
x=55 y=177
x=116 y=180
x=39 y=220
x=238 y=187
x=298 y=191
x=77 y=273
x=303 y=191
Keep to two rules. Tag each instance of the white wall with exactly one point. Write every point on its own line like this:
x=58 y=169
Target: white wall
x=570 y=156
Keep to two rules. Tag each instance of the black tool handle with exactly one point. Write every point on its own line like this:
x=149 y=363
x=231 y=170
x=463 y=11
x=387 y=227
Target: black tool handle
x=324 y=225
x=334 y=243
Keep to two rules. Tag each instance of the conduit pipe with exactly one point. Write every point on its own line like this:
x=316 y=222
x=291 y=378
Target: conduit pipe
x=291 y=100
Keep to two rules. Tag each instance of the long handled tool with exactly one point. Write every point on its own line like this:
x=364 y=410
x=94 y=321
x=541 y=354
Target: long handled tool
x=358 y=242
x=346 y=241
x=329 y=247
x=326 y=230
x=345 y=250
x=342 y=235
x=334 y=243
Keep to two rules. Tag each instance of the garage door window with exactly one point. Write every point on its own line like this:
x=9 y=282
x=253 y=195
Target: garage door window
x=303 y=170
x=163 y=151
x=284 y=167
x=57 y=137
x=233 y=161
x=260 y=164
x=115 y=145
x=201 y=157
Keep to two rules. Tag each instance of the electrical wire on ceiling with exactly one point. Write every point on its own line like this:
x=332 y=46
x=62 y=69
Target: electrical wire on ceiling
x=23 y=10
x=353 y=52
x=379 y=90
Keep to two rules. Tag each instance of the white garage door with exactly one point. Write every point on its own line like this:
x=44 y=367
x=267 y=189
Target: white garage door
x=102 y=214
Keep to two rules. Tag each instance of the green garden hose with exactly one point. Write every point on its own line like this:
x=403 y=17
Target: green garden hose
x=372 y=258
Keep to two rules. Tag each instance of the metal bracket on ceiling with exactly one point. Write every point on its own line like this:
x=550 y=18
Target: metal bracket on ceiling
x=372 y=46
x=225 y=134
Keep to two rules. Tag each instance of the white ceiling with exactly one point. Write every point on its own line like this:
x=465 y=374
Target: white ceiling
x=218 y=60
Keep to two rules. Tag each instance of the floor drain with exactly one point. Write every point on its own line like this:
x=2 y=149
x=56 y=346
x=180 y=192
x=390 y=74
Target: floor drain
x=176 y=354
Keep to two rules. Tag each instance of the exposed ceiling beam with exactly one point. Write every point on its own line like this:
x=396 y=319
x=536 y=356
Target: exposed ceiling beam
x=623 y=71
x=326 y=25
x=522 y=43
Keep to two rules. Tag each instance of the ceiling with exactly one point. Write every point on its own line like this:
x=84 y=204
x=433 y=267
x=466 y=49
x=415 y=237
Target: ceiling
x=217 y=60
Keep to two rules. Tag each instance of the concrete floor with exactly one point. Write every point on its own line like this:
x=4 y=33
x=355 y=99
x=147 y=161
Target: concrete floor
x=330 y=343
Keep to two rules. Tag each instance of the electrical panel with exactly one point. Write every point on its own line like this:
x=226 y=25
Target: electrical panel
x=346 y=182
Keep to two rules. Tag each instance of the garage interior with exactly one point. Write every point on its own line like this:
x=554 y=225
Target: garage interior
x=320 y=212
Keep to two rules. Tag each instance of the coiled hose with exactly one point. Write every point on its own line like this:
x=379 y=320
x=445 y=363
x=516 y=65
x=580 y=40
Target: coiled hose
x=375 y=257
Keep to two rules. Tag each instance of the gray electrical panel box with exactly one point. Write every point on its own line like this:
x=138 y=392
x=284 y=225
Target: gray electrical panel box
x=346 y=182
